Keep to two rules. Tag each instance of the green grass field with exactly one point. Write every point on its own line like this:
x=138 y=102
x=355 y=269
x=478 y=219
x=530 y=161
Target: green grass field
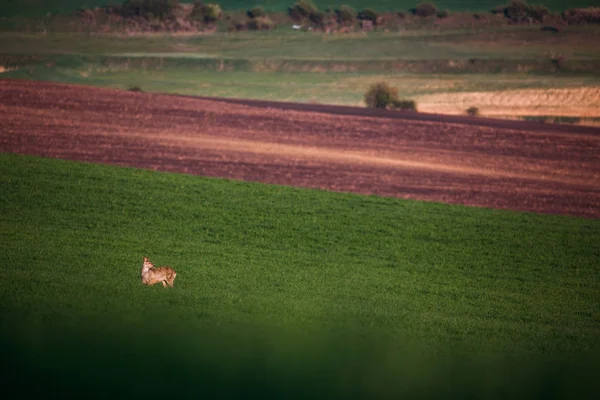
x=283 y=292
x=286 y=292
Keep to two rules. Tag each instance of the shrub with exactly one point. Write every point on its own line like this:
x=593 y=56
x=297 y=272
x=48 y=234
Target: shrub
x=590 y=15
x=382 y=95
x=516 y=10
x=131 y=8
x=302 y=10
x=472 y=111
x=567 y=120
x=410 y=105
x=549 y=28
x=260 y=24
x=345 y=15
x=537 y=118
x=317 y=18
x=208 y=13
x=443 y=14
x=519 y=11
x=368 y=14
x=237 y=25
x=425 y=10
x=148 y=8
x=256 y=12
x=538 y=13
x=134 y=88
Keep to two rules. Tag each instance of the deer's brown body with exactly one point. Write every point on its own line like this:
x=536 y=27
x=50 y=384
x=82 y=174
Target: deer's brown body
x=151 y=274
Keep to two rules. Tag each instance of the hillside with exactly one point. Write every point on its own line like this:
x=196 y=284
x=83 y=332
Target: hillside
x=514 y=165
x=32 y=8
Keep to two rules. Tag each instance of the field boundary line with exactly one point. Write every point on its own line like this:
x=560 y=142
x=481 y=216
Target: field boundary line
x=528 y=126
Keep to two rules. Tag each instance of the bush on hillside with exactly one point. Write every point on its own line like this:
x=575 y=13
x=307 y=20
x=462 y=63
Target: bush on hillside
x=519 y=11
x=131 y=8
x=425 y=10
x=516 y=10
x=317 y=18
x=443 y=14
x=208 y=13
x=256 y=12
x=302 y=10
x=538 y=13
x=408 y=105
x=260 y=24
x=368 y=14
x=237 y=25
x=381 y=95
x=590 y=15
x=346 y=15
x=472 y=111
x=160 y=9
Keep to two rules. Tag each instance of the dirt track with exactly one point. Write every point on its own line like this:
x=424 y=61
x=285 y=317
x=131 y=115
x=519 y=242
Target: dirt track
x=500 y=164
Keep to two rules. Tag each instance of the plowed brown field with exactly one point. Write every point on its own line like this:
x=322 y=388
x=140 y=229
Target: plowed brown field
x=519 y=166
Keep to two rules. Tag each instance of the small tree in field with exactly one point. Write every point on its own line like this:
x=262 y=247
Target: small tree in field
x=382 y=95
x=473 y=111
x=409 y=105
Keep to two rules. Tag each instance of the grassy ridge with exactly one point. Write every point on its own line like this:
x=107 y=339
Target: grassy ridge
x=286 y=291
x=41 y=7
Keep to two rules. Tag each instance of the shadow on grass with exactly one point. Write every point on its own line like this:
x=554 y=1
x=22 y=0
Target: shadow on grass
x=99 y=359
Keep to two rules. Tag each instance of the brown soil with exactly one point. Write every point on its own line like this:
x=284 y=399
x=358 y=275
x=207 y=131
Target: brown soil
x=478 y=162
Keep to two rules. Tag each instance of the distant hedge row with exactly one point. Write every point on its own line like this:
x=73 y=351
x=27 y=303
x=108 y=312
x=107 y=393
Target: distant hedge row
x=164 y=9
x=305 y=12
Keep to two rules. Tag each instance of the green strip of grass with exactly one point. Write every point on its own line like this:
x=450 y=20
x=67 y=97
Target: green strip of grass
x=355 y=281
x=507 y=43
x=344 y=88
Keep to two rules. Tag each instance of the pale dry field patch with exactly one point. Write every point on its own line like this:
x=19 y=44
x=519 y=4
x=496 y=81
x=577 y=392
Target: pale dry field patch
x=572 y=102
